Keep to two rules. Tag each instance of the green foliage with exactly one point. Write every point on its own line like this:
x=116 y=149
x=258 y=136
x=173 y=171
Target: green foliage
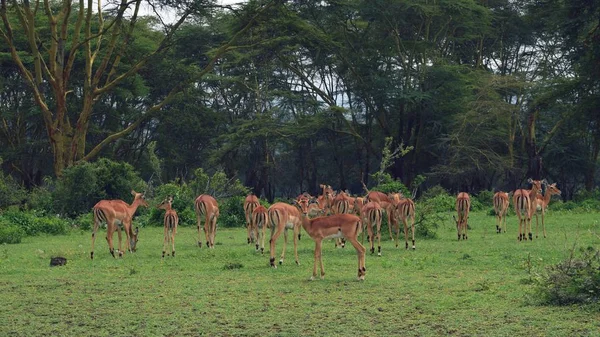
x=41 y=200
x=32 y=224
x=485 y=197
x=82 y=186
x=217 y=185
x=572 y=281
x=84 y=221
x=232 y=212
x=11 y=193
x=10 y=233
x=440 y=203
x=434 y=191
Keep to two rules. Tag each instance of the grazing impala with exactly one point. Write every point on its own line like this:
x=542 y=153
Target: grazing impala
x=405 y=211
x=500 y=208
x=207 y=207
x=341 y=205
x=250 y=204
x=541 y=204
x=259 y=221
x=115 y=213
x=371 y=216
x=282 y=217
x=524 y=204
x=171 y=222
x=463 y=204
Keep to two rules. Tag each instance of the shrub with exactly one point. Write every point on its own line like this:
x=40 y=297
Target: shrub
x=217 y=185
x=10 y=233
x=485 y=198
x=434 y=191
x=232 y=212
x=34 y=225
x=84 y=221
x=11 y=193
x=82 y=186
x=40 y=199
x=573 y=281
x=440 y=203
x=183 y=203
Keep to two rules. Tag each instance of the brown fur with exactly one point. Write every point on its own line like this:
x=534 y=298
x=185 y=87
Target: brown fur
x=207 y=207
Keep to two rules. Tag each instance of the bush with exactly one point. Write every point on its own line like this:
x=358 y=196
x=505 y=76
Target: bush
x=573 y=281
x=440 y=203
x=40 y=199
x=183 y=203
x=218 y=186
x=391 y=186
x=11 y=193
x=434 y=191
x=10 y=233
x=82 y=186
x=34 y=225
x=84 y=221
x=485 y=198
x=232 y=212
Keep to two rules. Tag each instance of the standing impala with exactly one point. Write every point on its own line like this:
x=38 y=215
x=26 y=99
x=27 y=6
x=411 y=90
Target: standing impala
x=171 y=221
x=115 y=213
x=259 y=221
x=524 y=204
x=405 y=211
x=282 y=217
x=386 y=204
x=346 y=226
x=500 y=208
x=250 y=204
x=207 y=207
x=541 y=203
x=371 y=214
x=463 y=203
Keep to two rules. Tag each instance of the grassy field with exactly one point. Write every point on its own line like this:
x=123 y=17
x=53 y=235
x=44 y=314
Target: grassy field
x=445 y=287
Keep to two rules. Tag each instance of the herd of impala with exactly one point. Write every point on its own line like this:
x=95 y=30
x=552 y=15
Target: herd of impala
x=330 y=215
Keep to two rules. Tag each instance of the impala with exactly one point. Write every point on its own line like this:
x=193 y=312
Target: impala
x=500 y=208
x=405 y=211
x=282 y=217
x=524 y=204
x=346 y=226
x=326 y=198
x=250 y=203
x=341 y=205
x=371 y=216
x=541 y=203
x=207 y=207
x=115 y=213
x=386 y=203
x=171 y=221
x=463 y=203
x=259 y=221
x=359 y=202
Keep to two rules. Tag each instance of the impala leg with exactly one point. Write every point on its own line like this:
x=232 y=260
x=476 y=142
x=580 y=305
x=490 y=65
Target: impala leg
x=405 y=223
x=296 y=238
x=360 y=252
x=389 y=220
x=275 y=233
x=378 y=224
x=207 y=231
x=543 y=225
x=213 y=231
x=536 y=225
x=110 y=230
x=412 y=226
x=173 y=231
x=262 y=239
x=165 y=238
x=94 y=230
x=372 y=238
x=316 y=261
x=121 y=252
x=285 y=238
x=198 y=222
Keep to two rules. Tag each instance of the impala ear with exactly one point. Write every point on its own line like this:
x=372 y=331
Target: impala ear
x=133 y=193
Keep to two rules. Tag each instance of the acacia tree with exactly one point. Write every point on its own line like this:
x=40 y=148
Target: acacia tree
x=48 y=62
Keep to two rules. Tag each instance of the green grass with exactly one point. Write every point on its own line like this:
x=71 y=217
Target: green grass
x=445 y=287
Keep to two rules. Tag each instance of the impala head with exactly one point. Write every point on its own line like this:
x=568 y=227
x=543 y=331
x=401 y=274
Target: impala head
x=140 y=198
x=552 y=189
x=165 y=204
x=538 y=185
x=134 y=239
x=302 y=204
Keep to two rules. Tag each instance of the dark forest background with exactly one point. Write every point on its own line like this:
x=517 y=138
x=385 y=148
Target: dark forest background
x=286 y=95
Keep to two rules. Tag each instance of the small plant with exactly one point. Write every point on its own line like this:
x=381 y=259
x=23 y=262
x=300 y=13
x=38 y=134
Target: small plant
x=234 y=265
x=573 y=281
x=10 y=234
